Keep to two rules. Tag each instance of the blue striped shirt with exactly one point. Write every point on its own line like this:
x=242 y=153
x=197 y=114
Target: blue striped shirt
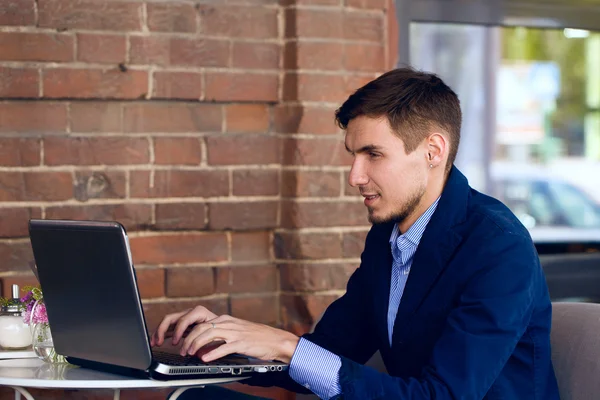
x=318 y=369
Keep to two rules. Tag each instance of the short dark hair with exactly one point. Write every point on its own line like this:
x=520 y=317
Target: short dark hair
x=414 y=103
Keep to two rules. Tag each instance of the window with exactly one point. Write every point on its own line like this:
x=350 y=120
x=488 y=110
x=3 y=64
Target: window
x=528 y=76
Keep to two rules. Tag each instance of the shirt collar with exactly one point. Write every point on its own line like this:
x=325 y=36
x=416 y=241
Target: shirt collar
x=415 y=232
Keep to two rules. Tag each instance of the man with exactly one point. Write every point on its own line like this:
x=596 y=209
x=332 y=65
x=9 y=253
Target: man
x=449 y=290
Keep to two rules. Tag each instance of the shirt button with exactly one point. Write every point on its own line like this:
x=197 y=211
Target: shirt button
x=306 y=385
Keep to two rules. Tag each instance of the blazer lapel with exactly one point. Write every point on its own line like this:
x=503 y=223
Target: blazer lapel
x=436 y=246
x=383 y=259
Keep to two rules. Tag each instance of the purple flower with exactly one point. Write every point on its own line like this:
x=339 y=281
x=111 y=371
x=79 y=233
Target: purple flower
x=27 y=297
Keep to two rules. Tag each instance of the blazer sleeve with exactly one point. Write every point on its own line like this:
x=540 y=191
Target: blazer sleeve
x=480 y=335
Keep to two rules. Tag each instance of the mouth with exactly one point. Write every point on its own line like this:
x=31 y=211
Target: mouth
x=370 y=199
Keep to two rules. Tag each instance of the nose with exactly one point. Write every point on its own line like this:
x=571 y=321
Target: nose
x=357 y=176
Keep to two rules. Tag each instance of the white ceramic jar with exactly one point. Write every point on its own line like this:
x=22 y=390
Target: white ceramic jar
x=14 y=333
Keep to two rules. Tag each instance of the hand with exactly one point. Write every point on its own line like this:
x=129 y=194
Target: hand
x=181 y=321
x=239 y=336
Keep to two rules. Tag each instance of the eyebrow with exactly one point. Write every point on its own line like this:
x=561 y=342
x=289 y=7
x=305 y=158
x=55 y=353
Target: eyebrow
x=364 y=149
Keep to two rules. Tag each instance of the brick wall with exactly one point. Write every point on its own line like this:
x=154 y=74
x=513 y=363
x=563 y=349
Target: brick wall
x=206 y=128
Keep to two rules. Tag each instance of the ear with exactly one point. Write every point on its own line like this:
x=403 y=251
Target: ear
x=437 y=149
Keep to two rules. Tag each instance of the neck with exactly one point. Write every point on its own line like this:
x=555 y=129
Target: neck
x=434 y=190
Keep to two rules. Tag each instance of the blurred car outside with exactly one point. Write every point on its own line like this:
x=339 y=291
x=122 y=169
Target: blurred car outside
x=552 y=209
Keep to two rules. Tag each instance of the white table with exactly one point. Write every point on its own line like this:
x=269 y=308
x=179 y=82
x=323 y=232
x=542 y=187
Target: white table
x=24 y=353
x=24 y=373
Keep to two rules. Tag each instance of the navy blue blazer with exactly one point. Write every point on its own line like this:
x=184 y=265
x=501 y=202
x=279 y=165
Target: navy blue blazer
x=474 y=320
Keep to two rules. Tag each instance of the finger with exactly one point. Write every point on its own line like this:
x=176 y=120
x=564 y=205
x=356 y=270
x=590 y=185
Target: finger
x=208 y=348
x=198 y=331
x=159 y=334
x=198 y=314
x=222 y=351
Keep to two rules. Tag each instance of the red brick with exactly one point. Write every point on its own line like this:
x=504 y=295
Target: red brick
x=307 y=246
x=19 y=82
x=310 y=184
x=309 y=55
x=250 y=55
x=177 y=151
x=314 y=87
x=310 y=2
x=133 y=216
x=179 y=248
x=303 y=119
x=15 y=220
x=318 y=151
x=199 y=52
x=15 y=152
x=151 y=282
x=353 y=82
x=315 y=277
x=180 y=216
x=364 y=57
x=155 y=312
x=22 y=46
x=107 y=184
x=177 y=85
x=247 y=118
x=85 y=150
x=172 y=117
x=171 y=17
x=90 y=14
x=256 y=182
x=247 y=279
x=300 y=312
x=17 y=12
x=95 y=117
x=238 y=21
x=326 y=214
x=362 y=26
x=367 y=4
x=223 y=86
x=21 y=280
x=47 y=186
x=149 y=50
x=314 y=23
x=243 y=149
x=33 y=117
x=262 y=309
x=353 y=243
x=35 y=186
x=15 y=255
x=250 y=246
x=243 y=216
x=101 y=48
x=180 y=184
x=95 y=83
x=190 y=282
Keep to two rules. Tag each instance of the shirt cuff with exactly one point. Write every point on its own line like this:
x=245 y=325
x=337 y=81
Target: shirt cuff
x=316 y=369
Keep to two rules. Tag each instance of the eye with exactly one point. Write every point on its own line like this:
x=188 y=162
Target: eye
x=374 y=155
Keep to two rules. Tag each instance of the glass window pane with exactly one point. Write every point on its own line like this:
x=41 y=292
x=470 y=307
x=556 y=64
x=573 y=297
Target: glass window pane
x=540 y=88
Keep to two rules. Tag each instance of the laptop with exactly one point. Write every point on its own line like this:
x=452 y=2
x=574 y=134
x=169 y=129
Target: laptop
x=93 y=303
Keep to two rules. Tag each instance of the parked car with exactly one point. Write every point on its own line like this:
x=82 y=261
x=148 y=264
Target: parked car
x=552 y=209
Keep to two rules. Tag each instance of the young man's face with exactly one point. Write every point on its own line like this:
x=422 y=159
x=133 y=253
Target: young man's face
x=391 y=181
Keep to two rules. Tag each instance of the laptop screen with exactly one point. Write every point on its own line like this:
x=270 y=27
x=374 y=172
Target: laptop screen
x=91 y=295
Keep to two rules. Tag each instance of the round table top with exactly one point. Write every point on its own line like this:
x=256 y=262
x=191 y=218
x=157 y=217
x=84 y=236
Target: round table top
x=35 y=373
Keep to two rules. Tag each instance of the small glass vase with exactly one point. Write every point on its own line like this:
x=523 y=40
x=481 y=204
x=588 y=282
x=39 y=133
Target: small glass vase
x=43 y=346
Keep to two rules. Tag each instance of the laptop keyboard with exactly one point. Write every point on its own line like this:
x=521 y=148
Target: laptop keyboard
x=182 y=361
